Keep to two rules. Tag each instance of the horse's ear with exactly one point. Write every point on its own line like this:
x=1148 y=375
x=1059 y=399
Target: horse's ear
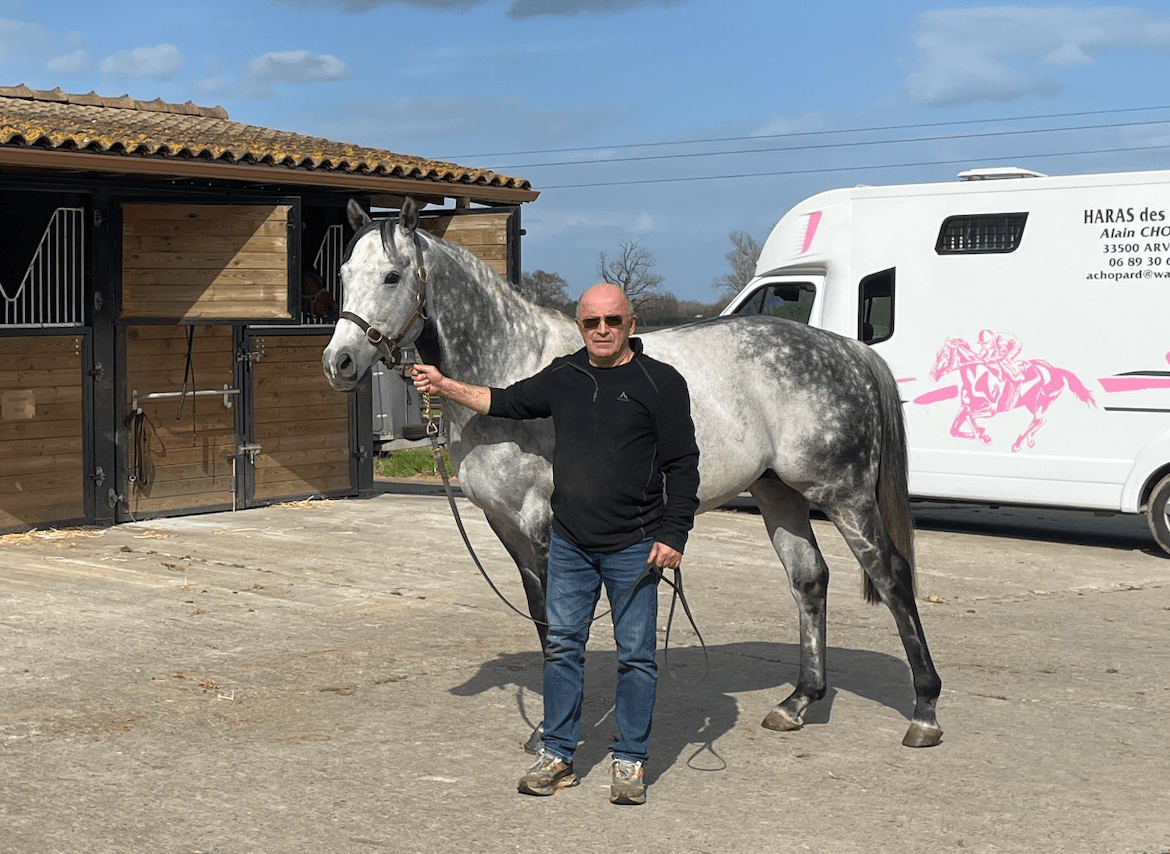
x=386 y=229
x=408 y=217
x=357 y=215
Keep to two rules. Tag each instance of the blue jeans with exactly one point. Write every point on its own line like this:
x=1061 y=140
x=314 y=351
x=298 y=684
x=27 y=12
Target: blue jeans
x=574 y=586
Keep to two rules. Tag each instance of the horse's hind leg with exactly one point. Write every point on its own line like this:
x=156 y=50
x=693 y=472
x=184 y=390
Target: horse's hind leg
x=892 y=579
x=785 y=513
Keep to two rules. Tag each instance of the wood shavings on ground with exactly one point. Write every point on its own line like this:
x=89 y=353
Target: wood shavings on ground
x=311 y=501
x=26 y=537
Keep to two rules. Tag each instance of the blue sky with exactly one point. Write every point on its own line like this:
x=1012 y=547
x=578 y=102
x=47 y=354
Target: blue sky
x=666 y=122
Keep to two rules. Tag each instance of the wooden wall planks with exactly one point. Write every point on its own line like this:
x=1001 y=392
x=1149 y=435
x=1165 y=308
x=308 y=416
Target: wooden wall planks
x=42 y=478
x=203 y=262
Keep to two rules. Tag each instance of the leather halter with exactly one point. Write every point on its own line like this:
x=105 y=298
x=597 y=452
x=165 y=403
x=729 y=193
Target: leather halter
x=388 y=348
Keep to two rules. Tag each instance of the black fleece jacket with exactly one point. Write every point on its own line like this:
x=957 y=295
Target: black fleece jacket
x=624 y=437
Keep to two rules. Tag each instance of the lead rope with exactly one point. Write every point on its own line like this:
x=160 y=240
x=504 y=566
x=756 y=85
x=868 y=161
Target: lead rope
x=432 y=428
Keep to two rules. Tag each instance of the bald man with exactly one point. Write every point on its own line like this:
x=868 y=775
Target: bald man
x=625 y=485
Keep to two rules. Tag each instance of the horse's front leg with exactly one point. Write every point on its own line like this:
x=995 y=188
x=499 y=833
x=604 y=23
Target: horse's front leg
x=963 y=427
x=785 y=513
x=973 y=412
x=531 y=555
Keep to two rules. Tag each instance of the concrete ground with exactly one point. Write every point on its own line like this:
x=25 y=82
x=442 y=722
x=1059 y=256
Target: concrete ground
x=335 y=676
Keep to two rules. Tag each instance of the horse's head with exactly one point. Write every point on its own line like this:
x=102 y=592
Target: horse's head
x=316 y=301
x=383 y=295
x=944 y=361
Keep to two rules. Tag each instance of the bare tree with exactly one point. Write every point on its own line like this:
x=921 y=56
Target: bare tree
x=694 y=309
x=547 y=289
x=745 y=252
x=663 y=310
x=632 y=271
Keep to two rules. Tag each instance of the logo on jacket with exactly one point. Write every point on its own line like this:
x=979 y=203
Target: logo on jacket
x=622 y=396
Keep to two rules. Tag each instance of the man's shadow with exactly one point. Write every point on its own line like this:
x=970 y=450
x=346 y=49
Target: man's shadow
x=696 y=703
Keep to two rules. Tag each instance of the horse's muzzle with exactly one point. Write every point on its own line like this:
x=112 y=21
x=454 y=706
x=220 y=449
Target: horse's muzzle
x=340 y=368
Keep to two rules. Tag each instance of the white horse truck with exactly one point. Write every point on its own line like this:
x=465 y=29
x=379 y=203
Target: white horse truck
x=1026 y=318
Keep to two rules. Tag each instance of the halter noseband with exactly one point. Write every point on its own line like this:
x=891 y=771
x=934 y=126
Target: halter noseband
x=388 y=348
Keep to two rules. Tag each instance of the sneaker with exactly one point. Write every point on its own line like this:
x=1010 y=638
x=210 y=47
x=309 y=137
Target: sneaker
x=547 y=774
x=627 y=786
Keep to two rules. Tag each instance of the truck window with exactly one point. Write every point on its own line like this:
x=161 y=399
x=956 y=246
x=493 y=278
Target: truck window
x=980 y=234
x=875 y=307
x=790 y=300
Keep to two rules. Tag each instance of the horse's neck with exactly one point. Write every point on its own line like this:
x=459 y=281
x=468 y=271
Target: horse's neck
x=487 y=333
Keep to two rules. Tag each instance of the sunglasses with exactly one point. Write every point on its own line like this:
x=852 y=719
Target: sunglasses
x=611 y=320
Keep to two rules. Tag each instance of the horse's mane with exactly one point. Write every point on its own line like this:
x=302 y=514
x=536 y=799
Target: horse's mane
x=506 y=290
x=512 y=336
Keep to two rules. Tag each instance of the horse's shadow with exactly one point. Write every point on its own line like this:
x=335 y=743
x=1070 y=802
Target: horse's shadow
x=696 y=703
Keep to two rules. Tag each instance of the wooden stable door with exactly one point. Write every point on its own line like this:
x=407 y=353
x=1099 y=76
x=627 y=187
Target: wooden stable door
x=300 y=427
x=257 y=422
x=180 y=437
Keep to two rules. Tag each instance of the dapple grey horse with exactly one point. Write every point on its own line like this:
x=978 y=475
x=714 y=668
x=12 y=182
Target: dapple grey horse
x=795 y=415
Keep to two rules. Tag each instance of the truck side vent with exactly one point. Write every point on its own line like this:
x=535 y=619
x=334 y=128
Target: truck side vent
x=980 y=233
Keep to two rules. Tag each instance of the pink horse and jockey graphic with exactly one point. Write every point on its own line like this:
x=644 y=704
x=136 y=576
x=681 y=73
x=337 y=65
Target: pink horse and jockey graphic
x=992 y=380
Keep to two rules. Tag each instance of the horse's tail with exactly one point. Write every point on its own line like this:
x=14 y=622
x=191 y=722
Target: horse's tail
x=1078 y=388
x=893 y=486
x=1061 y=375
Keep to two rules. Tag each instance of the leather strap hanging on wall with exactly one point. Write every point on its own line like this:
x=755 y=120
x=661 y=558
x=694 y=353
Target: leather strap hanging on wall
x=189 y=379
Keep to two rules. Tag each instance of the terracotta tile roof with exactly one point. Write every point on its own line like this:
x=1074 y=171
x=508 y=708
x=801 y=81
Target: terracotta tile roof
x=57 y=121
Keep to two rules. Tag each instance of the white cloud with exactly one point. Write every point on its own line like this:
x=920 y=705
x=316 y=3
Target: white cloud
x=150 y=63
x=77 y=62
x=296 y=66
x=36 y=47
x=19 y=39
x=644 y=224
x=1005 y=53
x=259 y=74
x=551 y=222
x=1068 y=56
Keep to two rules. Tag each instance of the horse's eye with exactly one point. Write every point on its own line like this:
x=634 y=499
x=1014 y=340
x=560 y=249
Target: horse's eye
x=392 y=277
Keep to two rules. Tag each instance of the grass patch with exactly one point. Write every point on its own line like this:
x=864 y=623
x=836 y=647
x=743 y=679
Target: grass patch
x=411 y=462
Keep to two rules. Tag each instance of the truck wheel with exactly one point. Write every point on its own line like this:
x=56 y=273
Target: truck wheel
x=1158 y=513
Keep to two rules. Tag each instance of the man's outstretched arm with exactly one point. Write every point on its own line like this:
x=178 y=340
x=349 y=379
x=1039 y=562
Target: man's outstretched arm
x=428 y=380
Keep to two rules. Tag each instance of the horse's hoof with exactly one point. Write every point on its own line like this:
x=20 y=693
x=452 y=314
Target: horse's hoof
x=780 y=721
x=920 y=735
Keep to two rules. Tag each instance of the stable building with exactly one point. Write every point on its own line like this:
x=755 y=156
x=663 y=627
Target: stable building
x=168 y=281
